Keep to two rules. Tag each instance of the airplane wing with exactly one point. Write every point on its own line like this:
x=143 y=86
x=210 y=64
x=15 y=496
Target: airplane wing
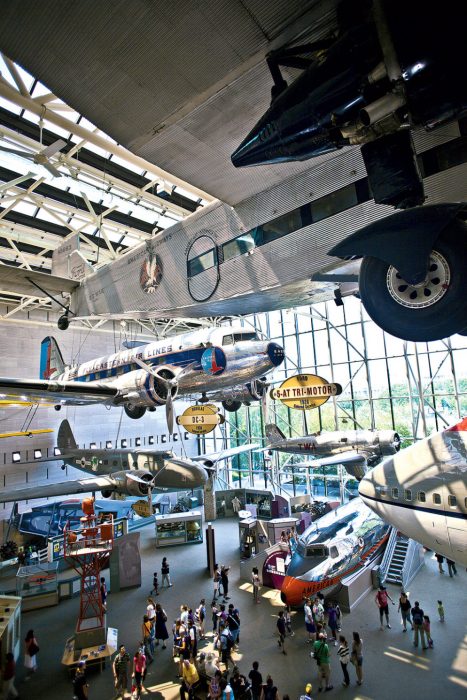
x=24 y=282
x=68 y=393
x=221 y=456
x=61 y=488
x=355 y=463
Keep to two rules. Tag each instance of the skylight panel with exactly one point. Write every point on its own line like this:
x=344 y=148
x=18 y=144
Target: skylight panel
x=126 y=164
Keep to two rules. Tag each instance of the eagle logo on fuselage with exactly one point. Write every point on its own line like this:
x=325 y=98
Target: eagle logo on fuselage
x=151 y=272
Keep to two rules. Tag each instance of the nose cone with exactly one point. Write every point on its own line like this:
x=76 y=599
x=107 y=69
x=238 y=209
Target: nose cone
x=275 y=354
x=367 y=487
x=261 y=146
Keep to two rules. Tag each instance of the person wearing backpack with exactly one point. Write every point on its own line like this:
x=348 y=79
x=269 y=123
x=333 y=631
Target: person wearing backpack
x=233 y=620
x=226 y=643
x=321 y=655
x=417 y=620
x=80 y=683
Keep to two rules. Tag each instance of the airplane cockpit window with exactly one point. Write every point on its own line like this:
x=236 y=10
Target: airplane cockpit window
x=422 y=496
x=395 y=493
x=317 y=551
x=227 y=340
x=437 y=499
x=408 y=495
x=239 y=337
x=333 y=552
x=452 y=501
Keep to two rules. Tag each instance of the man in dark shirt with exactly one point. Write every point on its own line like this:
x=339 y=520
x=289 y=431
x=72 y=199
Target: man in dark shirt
x=80 y=683
x=256 y=680
x=120 y=669
x=9 y=673
x=225 y=581
x=417 y=620
x=282 y=631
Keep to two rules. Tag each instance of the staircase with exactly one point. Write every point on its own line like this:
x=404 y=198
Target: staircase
x=396 y=564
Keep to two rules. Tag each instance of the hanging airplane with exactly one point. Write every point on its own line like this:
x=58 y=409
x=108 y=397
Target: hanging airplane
x=124 y=471
x=423 y=492
x=275 y=237
x=335 y=546
x=151 y=375
x=355 y=449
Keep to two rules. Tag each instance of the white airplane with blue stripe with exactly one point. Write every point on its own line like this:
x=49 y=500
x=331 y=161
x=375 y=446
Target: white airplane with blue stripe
x=225 y=364
x=422 y=491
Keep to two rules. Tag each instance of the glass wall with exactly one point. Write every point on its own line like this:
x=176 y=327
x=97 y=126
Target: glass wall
x=413 y=388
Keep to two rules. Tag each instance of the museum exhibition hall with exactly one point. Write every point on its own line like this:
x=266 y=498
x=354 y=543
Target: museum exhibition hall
x=233 y=346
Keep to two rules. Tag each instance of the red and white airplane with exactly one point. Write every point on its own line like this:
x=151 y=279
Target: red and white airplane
x=423 y=491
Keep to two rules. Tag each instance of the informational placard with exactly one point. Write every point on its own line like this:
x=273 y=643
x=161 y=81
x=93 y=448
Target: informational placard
x=200 y=420
x=305 y=391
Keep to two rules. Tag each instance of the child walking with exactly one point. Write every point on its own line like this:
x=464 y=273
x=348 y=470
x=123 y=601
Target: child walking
x=155 y=584
x=441 y=610
x=426 y=627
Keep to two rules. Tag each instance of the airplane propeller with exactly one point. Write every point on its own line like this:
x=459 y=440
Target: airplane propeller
x=170 y=384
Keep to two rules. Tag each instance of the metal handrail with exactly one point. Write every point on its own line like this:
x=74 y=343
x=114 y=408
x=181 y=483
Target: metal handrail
x=390 y=547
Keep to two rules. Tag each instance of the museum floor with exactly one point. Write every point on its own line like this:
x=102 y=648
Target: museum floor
x=392 y=667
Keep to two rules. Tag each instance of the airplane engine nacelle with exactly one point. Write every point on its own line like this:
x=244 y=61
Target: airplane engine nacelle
x=146 y=390
x=130 y=483
x=389 y=441
x=253 y=391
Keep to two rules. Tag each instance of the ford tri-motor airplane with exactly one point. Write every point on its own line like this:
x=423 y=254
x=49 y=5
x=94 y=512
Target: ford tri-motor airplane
x=151 y=375
x=423 y=492
x=124 y=471
x=355 y=449
x=332 y=548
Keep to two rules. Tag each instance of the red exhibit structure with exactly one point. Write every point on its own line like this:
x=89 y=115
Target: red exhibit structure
x=87 y=550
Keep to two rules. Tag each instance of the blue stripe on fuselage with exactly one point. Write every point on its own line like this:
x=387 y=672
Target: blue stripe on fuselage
x=180 y=358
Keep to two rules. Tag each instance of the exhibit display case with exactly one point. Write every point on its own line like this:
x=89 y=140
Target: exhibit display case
x=37 y=585
x=179 y=528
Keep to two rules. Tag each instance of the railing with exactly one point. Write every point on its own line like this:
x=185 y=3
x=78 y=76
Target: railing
x=386 y=561
x=411 y=564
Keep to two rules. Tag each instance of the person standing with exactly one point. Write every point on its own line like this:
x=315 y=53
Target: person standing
x=236 y=504
x=417 y=621
x=148 y=639
x=256 y=681
x=103 y=591
x=309 y=621
x=343 y=653
x=288 y=621
x=160 y=628
x=269 y=691
x=451 y=567
x=233 y=620
x=165 y=571
x=427 y=630
x=139 y=669
x=120 y=671
x=321 y=655
x=381 y=600
x=216 y=581
x=441 y=610
x=201 y=616
x=190 y=679
x=281 y=628
x=80 y=683
x=357 y=656
x=332 y=622
x=8 y=676
x=31 y=648
x=404 y=607
x=318 y=610
x=225 y=581
x=256 y=584
x=440 y=560
x=155 y=585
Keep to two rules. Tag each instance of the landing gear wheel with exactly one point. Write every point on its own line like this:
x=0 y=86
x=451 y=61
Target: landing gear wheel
x=432 y=310
x=231 y=406
x=63 y=322
x=134 y=412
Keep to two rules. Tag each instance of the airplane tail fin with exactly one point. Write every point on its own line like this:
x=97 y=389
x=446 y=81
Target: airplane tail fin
x=273 y=433
x=52 y=364
x=65 y=439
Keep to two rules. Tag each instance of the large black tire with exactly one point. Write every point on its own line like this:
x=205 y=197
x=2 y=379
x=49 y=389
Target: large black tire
x=231 y=406
x=134 y=412
x=432 y=312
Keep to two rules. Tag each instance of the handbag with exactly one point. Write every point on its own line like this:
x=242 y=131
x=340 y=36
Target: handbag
x=33 y=649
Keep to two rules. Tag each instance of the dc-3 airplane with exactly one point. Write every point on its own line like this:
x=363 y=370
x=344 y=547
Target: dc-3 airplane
x=124 y=471
x=332 y=548
x=151 y=375
x=355 y=449
x=423 y=491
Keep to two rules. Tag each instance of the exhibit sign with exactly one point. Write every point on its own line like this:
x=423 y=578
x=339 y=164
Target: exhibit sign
x=143 y=508
x=200 y=420
x=305 y=391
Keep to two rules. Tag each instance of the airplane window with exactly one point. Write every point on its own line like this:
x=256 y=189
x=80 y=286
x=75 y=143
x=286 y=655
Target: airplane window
x=106 y=461
x=227 y=340
x=422 y=496
x=115 y=463
x=316 y=551
x=452 y=501
x=395 y=493
x=383 y=491
x=436 y=499
x=125 y=463
x=239 y=337
x=334 y=552
x=408 y=495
